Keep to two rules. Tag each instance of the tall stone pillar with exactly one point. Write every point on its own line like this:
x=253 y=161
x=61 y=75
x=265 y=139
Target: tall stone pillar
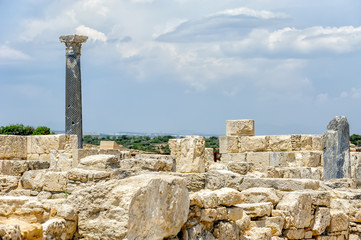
x=73 y=105
x=336 y=149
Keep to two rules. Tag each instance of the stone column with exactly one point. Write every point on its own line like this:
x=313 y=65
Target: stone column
x=73 y=105
x=336 y=149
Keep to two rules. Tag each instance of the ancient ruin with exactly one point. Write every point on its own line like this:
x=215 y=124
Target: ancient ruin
x=264 y=187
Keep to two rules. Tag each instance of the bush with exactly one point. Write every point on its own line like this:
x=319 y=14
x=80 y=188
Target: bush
x=20 y=129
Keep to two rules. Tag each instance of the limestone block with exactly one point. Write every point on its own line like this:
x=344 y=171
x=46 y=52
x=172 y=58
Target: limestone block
x=241 y=168
x=322 y=220
x=189 y=153
x=218 y=166
x=259 y=233
x=13 y=167
x=212 y=199
x=294 y=233
x=229 y=144
x=279 y=183
x=217 y=179
x=40 y=144
x=153 y=162
x=260 y=160
x=282 y=159
x=144 y=206
x=58 y=228
x=336 y=151
x=99 y=162
x=317 y=142
x=299 y=172
x=355 y=210
x=195 y=181
x=78 y=174
x=355 y=161
x=257 y=209
x=273 y=223
x=279 y=143
x=260 y=194
x=306 y=142
x=234 y=213
x=55 y=181
x=33 y=179
x=243 y=127
x=339 y=221
x=253 y=143
x=226 y=231
x=299 y=205
x=8 y=183
x=109 y=145
x=244 y=222
x=233 y=157
x=319 y=198
x=208 y=158
x=208 y=215
x=10 y=232
x=12 y=147
x=60 y=160
x=308 y=158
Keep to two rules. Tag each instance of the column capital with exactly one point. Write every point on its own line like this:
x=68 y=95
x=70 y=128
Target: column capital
x=73 y=43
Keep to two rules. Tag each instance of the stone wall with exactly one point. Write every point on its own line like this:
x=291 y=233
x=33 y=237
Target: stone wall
x=264 y=187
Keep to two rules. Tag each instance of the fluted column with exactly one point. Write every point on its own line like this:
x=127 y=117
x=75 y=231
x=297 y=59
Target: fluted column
x=73 y=103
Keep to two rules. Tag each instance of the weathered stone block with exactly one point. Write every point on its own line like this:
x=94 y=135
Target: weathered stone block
x=279 y=143
x=99 y=162
x=109 y=145
x=233 y=157
x=322 y=220
x=308 y=159
x=208 y=158
x=336 y=152
x=259 y=233
x=8 y=183
x=12 y=147
x=229 y=144
x=152 y=162
x=189 y=153
x=240 y=167
x=253 y=143
x=55 y=181
x=144 y=207
x=244 y=127
x=260 y=160
x=294 y=233
x=279 y=183
x=299 y=205
x=339 y=221
x=282 y=159
x=226 y=231
x=273 y=223
x=212 y=199
x=33 y=179
x=217 y=179
x=259 y=194
x=257 y=209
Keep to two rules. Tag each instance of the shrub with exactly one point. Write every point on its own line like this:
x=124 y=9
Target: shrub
x=20 y=129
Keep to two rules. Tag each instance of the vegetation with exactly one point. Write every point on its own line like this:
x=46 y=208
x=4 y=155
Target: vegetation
x=157 y=144
x=356 y=139
x=20 y=129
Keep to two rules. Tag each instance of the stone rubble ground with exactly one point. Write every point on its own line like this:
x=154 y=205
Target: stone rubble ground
x=264 y=187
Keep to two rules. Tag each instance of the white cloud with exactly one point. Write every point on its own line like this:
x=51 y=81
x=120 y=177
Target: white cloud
x=251 y=13
x=93 y=34
x=9 y=54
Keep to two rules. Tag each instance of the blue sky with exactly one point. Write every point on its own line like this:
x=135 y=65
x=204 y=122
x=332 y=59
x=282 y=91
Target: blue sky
x=184 y=66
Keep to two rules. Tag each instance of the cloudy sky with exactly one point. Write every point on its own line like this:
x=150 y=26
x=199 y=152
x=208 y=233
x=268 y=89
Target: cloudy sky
x=184 y=66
